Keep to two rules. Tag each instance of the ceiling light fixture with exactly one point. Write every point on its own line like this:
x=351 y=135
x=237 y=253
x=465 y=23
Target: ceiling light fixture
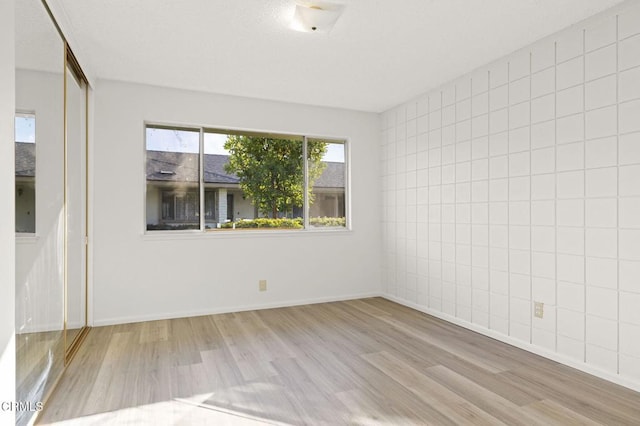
x=318 y=17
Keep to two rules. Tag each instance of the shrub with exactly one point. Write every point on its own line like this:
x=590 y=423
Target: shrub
x=168 y=227
x=283 y=223
x=327 y=221
x=262 y=222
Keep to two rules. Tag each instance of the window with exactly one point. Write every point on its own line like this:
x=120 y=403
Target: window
x=245 y=180
x=173 y=176
x=327 y=179
x=180 y=206
x=25 y=164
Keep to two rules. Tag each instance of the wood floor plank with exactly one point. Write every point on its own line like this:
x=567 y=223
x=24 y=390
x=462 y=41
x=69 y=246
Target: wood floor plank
x=431 y=392
x=553 y=413
x=598 y=405
x=103 y=392
x=472 y=347
x=184 y=342
x=368 y=308
x=363 y=410
x=448 y=345
x=369 y=361
x=515 y=392
x=250 y=362
x=394 y=396
x=316 y=406
x=263 y=338
x=482 y=397
x=154 y=331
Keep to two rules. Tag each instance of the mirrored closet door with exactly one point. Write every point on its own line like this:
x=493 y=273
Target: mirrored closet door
x=40 y=210
x=51 y=204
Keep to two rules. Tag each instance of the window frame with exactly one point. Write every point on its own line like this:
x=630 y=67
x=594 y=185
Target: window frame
x=203 y=230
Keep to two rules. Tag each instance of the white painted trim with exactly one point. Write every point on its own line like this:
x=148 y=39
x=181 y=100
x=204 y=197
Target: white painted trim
x=242 y=233
x=631 y=384
x=42 y=328
x=22 y=238
x=7 y=211
x=232 y=309
x=90 y=207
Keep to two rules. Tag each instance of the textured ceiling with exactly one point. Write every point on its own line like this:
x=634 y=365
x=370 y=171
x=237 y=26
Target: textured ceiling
x=380 y=52
x=38 y=43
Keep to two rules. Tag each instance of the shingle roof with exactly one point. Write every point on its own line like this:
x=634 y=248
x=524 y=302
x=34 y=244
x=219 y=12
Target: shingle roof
x=332 y=176
x=214 y=169
x=25 y=159
x=183 y=167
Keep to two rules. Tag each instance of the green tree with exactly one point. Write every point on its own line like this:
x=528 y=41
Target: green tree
x=271 y=171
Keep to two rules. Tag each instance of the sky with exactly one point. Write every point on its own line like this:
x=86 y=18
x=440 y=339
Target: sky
x=25 y=128
x=188 y=141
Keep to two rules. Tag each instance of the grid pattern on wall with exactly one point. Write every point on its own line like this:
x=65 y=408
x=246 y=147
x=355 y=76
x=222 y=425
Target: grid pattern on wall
x=520 y=183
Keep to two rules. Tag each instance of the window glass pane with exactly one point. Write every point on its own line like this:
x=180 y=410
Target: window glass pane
x=249 y=180
x=256 y=181
x=327 y=180
x=25 y=164
x=218 y=182
x=173 y=175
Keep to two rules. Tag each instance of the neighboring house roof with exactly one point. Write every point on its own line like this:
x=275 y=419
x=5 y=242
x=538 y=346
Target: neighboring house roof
x=214 y=169
x=183 y=167
x=25 y=159
x=166 y=166
x=332 y=176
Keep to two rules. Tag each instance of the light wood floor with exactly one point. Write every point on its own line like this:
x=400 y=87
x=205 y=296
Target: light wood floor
x=366 y=361
x=39 y=362
x=33 y=354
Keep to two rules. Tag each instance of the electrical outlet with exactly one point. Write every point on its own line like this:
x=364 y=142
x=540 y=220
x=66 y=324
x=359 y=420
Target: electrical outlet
x=262 y=285
x=538 y=309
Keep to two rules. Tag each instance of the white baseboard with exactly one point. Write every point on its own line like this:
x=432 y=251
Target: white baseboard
x=229 y=309
x=44 y=328
x=75 y=324
x=594 y=371
x=40 y=328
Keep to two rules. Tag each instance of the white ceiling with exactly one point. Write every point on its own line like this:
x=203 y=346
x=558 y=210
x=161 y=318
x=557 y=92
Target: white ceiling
x=380 y=53
x=38 y=43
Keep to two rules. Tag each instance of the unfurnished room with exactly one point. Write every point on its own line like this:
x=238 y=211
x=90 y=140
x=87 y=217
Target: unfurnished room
x=320 y=212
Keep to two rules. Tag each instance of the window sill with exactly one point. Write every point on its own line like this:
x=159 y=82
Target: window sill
x=242 y=233
x=25 y=238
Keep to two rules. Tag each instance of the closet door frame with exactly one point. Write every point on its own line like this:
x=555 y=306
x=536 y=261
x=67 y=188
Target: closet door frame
x=72 y=66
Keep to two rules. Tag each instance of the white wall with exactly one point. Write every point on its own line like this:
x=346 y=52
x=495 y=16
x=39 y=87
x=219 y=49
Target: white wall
x=7 y=231
x=139 y=277
x=520 y=182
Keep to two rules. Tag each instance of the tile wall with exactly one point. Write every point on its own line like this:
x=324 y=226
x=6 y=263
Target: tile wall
x=520 y=183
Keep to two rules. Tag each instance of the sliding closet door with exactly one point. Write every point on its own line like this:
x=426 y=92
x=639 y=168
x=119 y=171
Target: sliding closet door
x=51 y=205
x=76 y=202
x=39 y=193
